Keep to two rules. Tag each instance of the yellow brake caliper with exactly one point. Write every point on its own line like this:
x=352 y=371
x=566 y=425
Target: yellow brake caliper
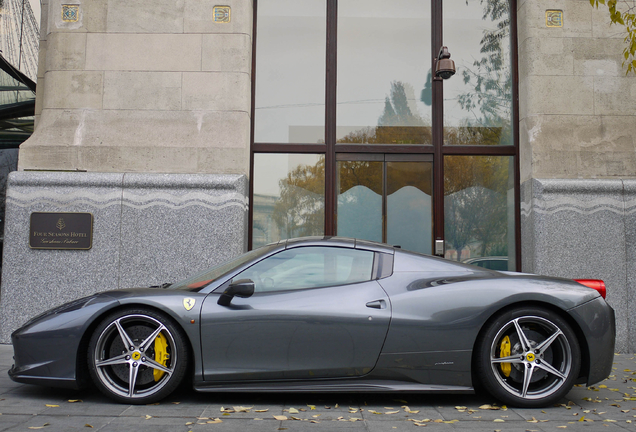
x=504 y=352
x=161 y=355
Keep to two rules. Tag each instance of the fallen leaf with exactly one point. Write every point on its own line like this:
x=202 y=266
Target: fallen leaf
x=226 y=410
x=88 y=426
x=148 y=416
x=52 y=406
x=313 y=421
x=489 y=407
x=534 y=420
x=374 y=412
x=391 y=412
x=499 y=420
x=460 y=407
x=175 y=403
x=261 y=410
x=189 y=423
x=293 y=411
x=242 y=408
x=312 y=407
x=280 y=417
x=582 y=419
x=215 y=421
x=75 y=400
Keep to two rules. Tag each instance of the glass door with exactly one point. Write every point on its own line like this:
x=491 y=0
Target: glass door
x=386 y=198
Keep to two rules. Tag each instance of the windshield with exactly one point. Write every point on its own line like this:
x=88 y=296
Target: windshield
x=199 y=280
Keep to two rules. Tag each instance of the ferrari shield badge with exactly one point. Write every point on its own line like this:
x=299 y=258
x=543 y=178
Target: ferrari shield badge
x=188 y=303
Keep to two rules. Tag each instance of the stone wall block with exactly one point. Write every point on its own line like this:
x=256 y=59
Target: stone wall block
x=145 y=16
x=143 y=52
x=578 y=230
x=614 y=96
x=547 y=56
x=602 y=26
x=66 y=51
x=223 y=160
x=61 y=275
x=598 y=57
x=73 y=89
x=227 y=53
x=217 y=91
x=147 y=229
x=577 y=19
x=199 y=17
x=560 y=95
x=176 y=225
x=142 y=90
x=630 y=253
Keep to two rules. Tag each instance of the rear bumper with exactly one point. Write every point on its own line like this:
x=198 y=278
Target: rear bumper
x=597 y=322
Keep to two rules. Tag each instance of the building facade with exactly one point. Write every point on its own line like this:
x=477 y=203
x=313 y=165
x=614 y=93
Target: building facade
x=190 y=131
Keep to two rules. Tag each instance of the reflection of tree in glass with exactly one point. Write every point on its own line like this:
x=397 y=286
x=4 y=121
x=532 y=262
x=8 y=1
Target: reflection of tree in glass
x=300 y=209
x=398 y=124
x=490 y=99
x=475 y=203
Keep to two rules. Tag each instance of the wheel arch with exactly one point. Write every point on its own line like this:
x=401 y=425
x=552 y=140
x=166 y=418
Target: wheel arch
x=83 y=375
x=585 y=353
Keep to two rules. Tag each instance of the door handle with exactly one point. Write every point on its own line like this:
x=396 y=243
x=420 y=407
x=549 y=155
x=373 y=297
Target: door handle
x=378 y=304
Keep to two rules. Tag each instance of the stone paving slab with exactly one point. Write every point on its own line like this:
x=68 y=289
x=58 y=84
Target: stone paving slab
x=603 y=407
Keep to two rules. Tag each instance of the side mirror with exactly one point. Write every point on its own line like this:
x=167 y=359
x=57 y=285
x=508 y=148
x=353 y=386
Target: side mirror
x=243 y=288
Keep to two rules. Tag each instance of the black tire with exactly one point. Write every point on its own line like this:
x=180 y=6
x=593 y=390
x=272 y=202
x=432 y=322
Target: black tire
x=155 y=357
x=536 y=375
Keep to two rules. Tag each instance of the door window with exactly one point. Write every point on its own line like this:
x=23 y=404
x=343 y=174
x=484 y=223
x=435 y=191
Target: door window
x=310 y=267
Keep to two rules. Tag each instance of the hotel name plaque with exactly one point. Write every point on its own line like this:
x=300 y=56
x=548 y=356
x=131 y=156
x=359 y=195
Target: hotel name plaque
x=61 y=231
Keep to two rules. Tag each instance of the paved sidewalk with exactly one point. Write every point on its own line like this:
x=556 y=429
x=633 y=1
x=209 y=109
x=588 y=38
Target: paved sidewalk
x=606 y=407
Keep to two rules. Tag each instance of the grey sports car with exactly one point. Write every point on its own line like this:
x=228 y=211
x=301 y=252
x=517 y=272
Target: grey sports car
x=329 y=315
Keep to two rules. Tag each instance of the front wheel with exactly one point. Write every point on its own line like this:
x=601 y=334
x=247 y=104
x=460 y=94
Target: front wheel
x=528 y=357
x=137 y=356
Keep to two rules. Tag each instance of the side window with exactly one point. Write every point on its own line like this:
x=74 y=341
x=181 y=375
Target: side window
x=310 y=267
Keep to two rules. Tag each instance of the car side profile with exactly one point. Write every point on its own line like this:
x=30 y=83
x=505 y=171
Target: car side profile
x=328 y=315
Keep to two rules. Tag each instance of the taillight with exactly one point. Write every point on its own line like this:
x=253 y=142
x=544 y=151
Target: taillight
x=596 y=284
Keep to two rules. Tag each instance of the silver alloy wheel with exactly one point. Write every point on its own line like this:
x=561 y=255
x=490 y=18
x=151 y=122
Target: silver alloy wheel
x=123 y=355
x=542 y=356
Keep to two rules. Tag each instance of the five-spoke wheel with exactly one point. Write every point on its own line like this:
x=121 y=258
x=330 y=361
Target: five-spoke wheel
x=137 y=356
x=528 y=357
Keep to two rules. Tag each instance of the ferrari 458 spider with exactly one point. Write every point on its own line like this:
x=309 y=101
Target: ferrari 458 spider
x=329 y=315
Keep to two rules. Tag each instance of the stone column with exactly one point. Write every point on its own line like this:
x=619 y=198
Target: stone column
x=577 y=125
x=143 y=120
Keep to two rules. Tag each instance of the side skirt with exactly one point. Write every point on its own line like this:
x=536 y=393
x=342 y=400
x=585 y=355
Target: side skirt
x=327 y=386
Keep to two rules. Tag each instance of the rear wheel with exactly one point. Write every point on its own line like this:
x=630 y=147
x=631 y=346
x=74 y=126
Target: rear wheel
x=137 y=356
x=528 y=357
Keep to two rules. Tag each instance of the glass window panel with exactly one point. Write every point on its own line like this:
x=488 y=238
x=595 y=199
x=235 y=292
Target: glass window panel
x=479 y=209
x=409 y=205
x=289 y=197
x=359 y=204
x=290 y=74
x=310 y=267
x=478 y=99
x=384 y=75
